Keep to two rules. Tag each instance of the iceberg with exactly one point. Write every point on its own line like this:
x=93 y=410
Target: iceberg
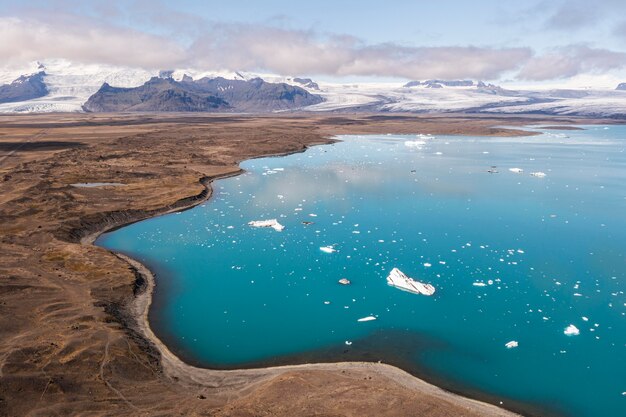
x=344 y=281
x=512 y=344
x=328 y=249
x=368 y=318
x=538 y=174
x=273 y=223
x=399 y=280
x=571 y=330
x=516 y=170
x=418 y=144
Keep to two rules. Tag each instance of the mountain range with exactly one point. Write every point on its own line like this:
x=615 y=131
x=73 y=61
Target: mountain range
x=62 y=86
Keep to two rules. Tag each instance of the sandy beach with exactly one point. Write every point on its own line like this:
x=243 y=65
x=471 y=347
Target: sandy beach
x=74 y=331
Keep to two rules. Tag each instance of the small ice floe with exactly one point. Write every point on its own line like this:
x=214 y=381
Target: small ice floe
x=571 y=330
x=427 y=265
x=479 y=284
x=399 y=280
x=585 y=318
x=273 y=223
x=516 y=170
x=538 y=174
x=328 y=249
x=348 y=342
x=312 y=215
x=438 y=153
x=344 y=281
x=512 y=344
x=307 y=223
x=327 y=302
x=368 y=318
x=416 y=144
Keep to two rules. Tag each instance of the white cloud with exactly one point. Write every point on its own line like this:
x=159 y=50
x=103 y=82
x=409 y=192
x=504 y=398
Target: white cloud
x=570 y=61
x=285 y=51
x=83 y=41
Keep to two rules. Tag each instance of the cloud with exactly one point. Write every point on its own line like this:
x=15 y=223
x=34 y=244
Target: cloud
x=83 y=40
x=568 y=61
x=244 y=47
x=574 y=14
x=286 y=51
x=620 y=30
x=256 y=47
x=571 y=15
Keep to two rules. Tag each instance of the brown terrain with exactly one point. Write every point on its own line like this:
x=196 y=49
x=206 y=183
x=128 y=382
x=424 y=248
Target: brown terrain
x=74 y=338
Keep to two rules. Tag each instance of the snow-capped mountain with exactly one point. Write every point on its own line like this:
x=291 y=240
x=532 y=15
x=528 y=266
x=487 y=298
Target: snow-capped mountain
x=69 y=87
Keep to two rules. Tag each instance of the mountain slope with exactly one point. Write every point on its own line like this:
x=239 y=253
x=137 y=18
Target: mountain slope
x=26 y=87
x=158 y=94
x=255 y=94
x=207 y=94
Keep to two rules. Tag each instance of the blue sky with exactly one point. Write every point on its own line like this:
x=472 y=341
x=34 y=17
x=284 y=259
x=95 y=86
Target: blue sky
x=534 y=41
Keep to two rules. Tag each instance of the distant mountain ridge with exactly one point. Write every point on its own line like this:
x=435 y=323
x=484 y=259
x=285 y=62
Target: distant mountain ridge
x=64 y=86
x=26 y=87
x=164 y=94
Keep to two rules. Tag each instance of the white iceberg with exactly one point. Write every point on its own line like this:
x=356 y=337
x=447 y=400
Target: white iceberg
x=328 y=249
x=479 y=284
x=399 y=280
x=571 y=330
x=273 y=223
x=516 y=170
x=538 y=174
x=418 y=144
x=368 y=318
x=512 y=344
x=344 y=281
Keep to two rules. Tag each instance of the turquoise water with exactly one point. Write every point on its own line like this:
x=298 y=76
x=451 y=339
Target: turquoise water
x=550 y=252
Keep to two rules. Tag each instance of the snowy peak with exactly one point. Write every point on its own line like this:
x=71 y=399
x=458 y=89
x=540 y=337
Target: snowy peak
x=441 y=83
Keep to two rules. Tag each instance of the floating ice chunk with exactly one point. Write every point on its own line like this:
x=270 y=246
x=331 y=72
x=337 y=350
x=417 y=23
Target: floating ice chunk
x=512 y=344
x=399 y=280
x=571 y=330
x=427 y=265
x=438 y=153
x=313 y=215
x=479 y=284
x=348 y=342
x=417 y=144
x=273 y=223
x=516 y=170
x=344 y=281
x=327 y=302
x=538 y=174
x=585 y=318
x=328 y=249
x=368 y=318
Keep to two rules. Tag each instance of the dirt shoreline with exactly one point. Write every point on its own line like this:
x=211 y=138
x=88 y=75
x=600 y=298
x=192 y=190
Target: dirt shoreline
x=70 y=340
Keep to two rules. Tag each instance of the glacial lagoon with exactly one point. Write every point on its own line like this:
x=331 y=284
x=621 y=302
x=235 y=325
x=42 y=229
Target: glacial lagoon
x=513 y=257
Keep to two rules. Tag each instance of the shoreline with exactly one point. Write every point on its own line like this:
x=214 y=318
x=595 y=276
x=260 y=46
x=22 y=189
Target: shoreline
x=245 y=379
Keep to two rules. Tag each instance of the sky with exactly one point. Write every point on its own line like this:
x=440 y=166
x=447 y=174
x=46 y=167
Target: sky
x=525 y=41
